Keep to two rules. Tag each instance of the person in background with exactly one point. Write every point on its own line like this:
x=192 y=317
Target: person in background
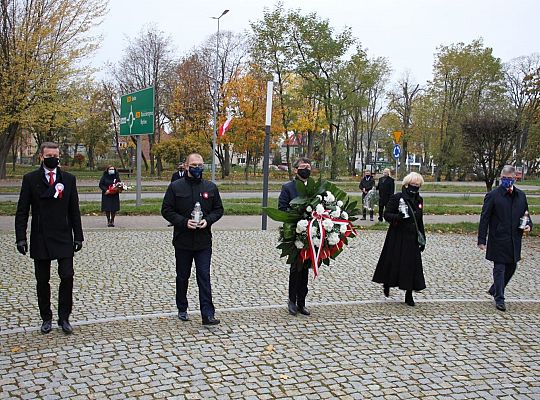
x=179 y=173
x=110 y=197
x=386 y=187
x=366 y=184
x=503 y=222
x=192 y=237
x=400 y=262
x=56 y=231
x=299 y=272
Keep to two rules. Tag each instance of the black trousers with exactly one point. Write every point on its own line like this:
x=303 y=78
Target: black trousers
x=184 y=260
x=298 y=284
x=382 y=204
x=502 y=273
x=42 y=270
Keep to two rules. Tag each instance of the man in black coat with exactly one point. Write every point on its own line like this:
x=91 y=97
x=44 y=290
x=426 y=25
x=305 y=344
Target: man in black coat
x=180 y=172
x=299 y=272
x=366 y=184
x=192 y=238
x=500 y=221
x=386 y=189
x=56 y=231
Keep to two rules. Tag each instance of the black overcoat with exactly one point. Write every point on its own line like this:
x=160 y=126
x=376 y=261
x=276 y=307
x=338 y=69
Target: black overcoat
x=109 y=202
x=178 y=203
x=288 y=193
x=386 y=189
x=366 y=184
x=56 y=222
x=400 y=263
x=500 y=221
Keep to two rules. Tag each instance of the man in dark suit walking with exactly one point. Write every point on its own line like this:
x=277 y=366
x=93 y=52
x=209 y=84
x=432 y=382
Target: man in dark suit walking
x=56 y=231
x=501 y=221
x=386 y=189
x=180 y=172
x=299 y=272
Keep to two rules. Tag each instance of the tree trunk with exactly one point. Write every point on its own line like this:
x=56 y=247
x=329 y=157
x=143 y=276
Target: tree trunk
x=6 y=141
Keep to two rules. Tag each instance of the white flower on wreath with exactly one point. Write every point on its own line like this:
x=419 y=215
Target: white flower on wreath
x=301 y=226
x=319 y=209
x=340 y=203
x=336 y=213
x=299 y=244
x=343 y=228
x=328 y=224
x=329 y=197
x=316 y=241
x=344 y=215
x=314 y=231
x=319 y=197
x=333 y=239
x=309 y=209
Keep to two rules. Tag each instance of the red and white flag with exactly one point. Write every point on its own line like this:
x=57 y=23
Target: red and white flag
x=225 y=127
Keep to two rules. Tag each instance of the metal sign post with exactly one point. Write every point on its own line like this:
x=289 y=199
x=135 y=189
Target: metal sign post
x=396 y=152
x=137 y=118
x=266 y=158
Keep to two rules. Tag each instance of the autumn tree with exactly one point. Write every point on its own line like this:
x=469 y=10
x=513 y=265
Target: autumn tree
x=42 y=44
x=147 y=61
x=491 y=139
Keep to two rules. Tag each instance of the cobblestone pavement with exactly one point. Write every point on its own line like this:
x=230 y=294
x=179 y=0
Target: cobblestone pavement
x=128 y=342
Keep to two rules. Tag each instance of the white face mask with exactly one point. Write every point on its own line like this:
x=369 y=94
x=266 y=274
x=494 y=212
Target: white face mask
x=111 y=172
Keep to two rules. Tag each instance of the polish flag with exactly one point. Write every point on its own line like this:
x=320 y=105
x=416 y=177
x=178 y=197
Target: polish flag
x=225 y=127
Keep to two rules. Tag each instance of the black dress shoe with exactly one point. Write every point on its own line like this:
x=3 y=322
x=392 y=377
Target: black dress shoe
x=66 y=326
x=500 y=307
x=46 y=326
x=386 y=290
x=293 y=310
x=183 y=315
x=303 y=310
x=210 y=321
x=409 y=299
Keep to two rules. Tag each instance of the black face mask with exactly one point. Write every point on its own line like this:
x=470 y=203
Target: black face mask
x=412 y=190
x=196 y=172
x=51 y=162
x=304 y=173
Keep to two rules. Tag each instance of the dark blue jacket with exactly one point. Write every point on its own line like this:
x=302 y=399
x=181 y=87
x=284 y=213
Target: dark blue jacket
x=499 y=221
x=288 y=192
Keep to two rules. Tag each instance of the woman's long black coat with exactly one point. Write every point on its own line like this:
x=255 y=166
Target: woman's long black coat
x=109 y=202
x=400 y=263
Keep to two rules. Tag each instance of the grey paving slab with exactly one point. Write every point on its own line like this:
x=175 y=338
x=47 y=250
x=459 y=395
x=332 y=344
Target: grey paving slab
x=128 y=342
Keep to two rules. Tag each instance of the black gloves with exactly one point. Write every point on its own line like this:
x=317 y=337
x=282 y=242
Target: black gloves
x=22 y=247
x=77 y=245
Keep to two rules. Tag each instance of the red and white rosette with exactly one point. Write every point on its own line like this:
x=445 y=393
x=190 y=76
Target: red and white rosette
x=59 y=189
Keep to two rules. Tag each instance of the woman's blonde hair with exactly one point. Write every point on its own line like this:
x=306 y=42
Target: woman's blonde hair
x=413 y=177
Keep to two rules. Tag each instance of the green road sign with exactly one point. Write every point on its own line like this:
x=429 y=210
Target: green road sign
x=137 y=113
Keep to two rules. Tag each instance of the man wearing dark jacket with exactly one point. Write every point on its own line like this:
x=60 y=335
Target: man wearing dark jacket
x=180 y=172
x=366 y=184
x=386 y=189
x=299 y=272
x=56 y=231
x=500 y=221
x=192 y=239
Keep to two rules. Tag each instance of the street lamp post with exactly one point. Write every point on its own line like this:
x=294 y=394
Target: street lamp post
x=214 y=134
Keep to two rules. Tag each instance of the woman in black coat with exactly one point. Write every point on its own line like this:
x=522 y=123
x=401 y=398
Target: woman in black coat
x=110 y=199
x=400 y=263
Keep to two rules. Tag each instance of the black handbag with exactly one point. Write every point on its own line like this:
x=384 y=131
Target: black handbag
x=420 y=238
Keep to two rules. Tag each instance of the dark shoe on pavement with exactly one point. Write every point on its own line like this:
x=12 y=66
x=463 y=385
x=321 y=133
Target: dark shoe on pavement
x=386 y=290
x=210 y=321
x=371 y=219
x=380 y=219
x=46 y=326
x=303 y=310
x=409 y=299
x=66 y=326
x=500 y=307
x=363 y=218
x=293 y=310
x=183 y=315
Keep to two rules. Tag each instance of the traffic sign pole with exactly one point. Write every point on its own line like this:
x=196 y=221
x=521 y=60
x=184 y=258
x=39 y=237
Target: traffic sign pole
x=139 y=162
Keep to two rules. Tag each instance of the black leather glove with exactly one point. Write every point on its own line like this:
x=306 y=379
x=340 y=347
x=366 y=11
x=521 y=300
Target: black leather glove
x=422 y=248
x=77 y=245
x=22 y=247
x=400 y=215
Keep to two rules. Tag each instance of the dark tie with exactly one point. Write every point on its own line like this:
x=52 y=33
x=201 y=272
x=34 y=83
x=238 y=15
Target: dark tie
x=51 y=178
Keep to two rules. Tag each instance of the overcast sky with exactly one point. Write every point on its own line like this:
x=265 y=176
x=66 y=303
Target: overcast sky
x=406 y=32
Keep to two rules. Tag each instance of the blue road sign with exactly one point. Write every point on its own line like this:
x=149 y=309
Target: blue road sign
x=397 y=151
